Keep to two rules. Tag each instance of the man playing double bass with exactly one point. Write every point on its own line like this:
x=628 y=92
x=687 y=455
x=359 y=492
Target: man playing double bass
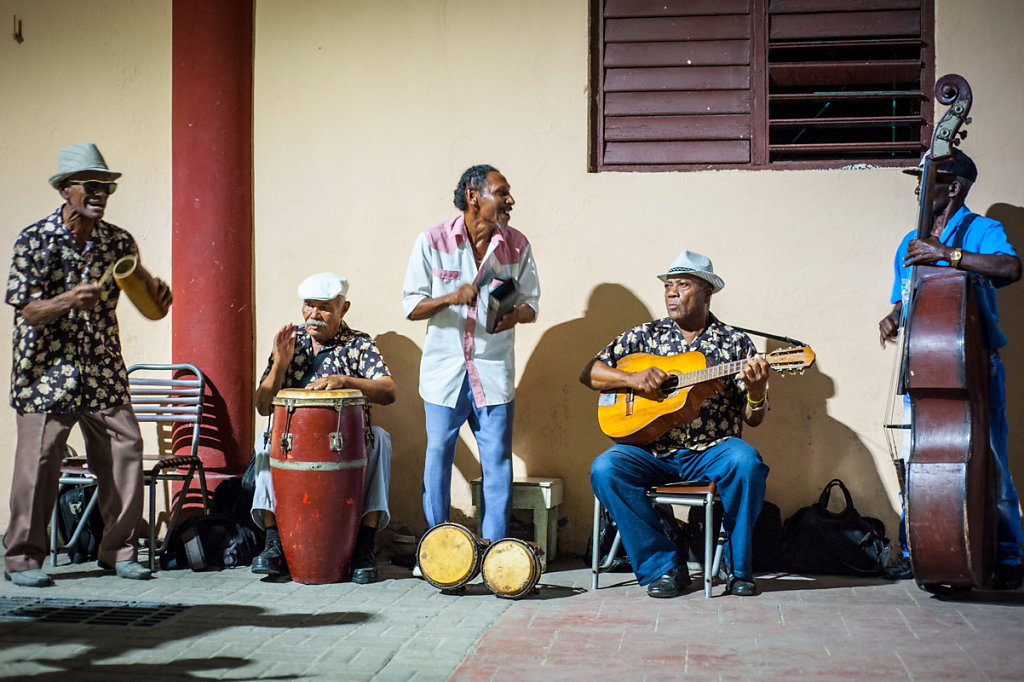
x=970 y=242
x=708 y=448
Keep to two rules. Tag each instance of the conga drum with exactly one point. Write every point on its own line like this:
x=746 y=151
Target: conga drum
x=449 y=555
x=512 y=567
x=317 y=463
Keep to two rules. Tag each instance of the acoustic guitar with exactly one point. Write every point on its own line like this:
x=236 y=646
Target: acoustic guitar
x=627 y=416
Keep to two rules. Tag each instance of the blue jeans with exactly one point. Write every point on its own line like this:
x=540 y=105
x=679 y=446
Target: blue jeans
x=620 y=475
x=492 y=427
x=1008 y=530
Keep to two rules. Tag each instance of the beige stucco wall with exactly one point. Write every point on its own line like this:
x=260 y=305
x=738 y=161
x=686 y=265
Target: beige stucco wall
x=366 y=113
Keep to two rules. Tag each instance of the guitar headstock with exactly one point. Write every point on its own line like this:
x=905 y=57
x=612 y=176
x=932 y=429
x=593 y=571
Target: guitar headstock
x=790 y=359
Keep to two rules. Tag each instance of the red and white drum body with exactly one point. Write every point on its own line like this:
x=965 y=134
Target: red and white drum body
x=317 y=461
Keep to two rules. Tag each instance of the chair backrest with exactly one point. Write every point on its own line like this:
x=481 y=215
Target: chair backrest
x=168 y=396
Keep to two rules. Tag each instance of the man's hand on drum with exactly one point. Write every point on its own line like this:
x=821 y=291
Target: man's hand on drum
x=284 y=345
x=328 y=383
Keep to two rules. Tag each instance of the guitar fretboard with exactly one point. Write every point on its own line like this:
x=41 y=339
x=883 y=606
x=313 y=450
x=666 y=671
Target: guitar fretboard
x=702 y=375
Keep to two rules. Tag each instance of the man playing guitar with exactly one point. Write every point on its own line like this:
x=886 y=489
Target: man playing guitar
x=706 y=448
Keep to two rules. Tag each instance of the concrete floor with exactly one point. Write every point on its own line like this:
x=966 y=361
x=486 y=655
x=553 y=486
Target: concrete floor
x=234 y=625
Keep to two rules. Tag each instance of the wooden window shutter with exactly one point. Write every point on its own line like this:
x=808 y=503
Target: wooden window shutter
x=848 y=80
x=693 y=84
x=676 y=83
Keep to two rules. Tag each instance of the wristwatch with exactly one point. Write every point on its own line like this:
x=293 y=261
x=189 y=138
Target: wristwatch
x=954 y=258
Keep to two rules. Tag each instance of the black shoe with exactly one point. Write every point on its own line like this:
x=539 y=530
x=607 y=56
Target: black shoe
x=900 y=570
x=364 y=568
x=671 y=584
x=1008 y=577
x=741 y=587
x=364 y=564
x=271 y=560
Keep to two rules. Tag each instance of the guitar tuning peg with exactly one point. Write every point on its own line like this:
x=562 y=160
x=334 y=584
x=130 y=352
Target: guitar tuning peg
x=968 y=121
x=963 y=134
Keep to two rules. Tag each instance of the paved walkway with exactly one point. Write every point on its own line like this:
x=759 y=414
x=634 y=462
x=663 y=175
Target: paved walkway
x=236 y=626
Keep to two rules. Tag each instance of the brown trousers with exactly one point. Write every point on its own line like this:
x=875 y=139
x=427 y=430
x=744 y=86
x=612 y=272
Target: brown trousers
x=113 y=448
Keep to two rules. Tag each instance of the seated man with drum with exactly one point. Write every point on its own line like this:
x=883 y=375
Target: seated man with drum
x=326 y=354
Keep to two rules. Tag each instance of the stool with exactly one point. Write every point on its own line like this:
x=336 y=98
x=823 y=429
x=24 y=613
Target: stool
x=542 y=496
x=689 y=494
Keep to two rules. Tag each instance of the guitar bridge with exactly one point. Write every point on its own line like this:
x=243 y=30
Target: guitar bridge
x=629 y=403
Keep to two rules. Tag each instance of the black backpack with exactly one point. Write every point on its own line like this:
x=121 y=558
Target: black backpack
x=72 y=504
x=210 y=542
x=225 y=538
x=766 y=543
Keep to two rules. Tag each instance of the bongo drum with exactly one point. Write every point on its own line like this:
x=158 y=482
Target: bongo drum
x=317 y=462
x=449 y=555
x=511 y=567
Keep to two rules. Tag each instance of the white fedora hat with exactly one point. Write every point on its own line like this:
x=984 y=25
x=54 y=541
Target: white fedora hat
x=698 y=265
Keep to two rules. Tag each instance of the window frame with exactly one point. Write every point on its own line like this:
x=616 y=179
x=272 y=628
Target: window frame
x=759 y=100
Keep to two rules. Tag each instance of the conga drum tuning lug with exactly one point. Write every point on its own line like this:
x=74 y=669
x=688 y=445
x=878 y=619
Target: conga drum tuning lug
x=337 y=441
x=286 y=442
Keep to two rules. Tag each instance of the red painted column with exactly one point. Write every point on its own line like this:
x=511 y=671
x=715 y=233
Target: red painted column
x=212 y=250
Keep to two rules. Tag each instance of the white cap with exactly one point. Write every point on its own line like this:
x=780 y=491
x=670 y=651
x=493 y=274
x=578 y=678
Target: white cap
x=323 y=286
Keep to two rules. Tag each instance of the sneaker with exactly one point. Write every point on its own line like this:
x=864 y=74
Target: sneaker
x=671 y=584
x=1008 y=577
x=271 y=560
x=900 y=570
x=129 y=569
x=33 y=577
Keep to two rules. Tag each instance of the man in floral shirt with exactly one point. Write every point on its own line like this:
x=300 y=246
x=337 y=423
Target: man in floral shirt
x=68 y=369
x=707 y=448
x=326 y=354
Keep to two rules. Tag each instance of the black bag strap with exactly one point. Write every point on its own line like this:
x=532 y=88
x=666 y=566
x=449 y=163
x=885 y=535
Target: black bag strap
x=961 y=230
x=827 y=493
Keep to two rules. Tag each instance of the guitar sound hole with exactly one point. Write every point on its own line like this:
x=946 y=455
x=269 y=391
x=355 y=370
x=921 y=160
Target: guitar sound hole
x=669 y=386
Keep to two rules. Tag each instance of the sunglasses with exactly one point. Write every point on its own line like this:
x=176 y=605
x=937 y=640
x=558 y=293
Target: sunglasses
x=94 y=186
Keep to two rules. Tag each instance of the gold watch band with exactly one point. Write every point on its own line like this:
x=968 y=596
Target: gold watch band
x=954 y=258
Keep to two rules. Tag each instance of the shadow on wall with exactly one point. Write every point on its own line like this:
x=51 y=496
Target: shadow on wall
x=405 y=421
x=1011 y=321
x=806 y=448
x=556 y=431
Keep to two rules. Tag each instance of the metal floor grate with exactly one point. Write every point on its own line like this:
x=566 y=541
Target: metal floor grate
x=93 y=612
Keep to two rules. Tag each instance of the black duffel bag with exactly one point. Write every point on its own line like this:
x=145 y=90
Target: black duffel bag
x=822 y=542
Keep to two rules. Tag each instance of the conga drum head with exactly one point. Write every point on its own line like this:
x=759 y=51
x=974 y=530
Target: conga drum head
x=511 y=567
x=340 y=397
x=448 y=555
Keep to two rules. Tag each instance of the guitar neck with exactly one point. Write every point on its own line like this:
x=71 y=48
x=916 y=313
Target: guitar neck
x=710 y=373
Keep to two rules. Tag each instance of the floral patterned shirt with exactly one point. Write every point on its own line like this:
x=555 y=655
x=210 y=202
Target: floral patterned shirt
x=721 y=415
x=73 y=363
x=352 y=353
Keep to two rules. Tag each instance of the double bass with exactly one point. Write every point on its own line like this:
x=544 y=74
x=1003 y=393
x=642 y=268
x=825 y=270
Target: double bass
x=949 y=484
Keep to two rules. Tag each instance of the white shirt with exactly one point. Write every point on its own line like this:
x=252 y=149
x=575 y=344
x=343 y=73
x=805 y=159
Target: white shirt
x=457 y=342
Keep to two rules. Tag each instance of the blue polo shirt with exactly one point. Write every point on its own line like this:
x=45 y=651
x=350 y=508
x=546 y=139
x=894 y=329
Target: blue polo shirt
x=985 y=236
